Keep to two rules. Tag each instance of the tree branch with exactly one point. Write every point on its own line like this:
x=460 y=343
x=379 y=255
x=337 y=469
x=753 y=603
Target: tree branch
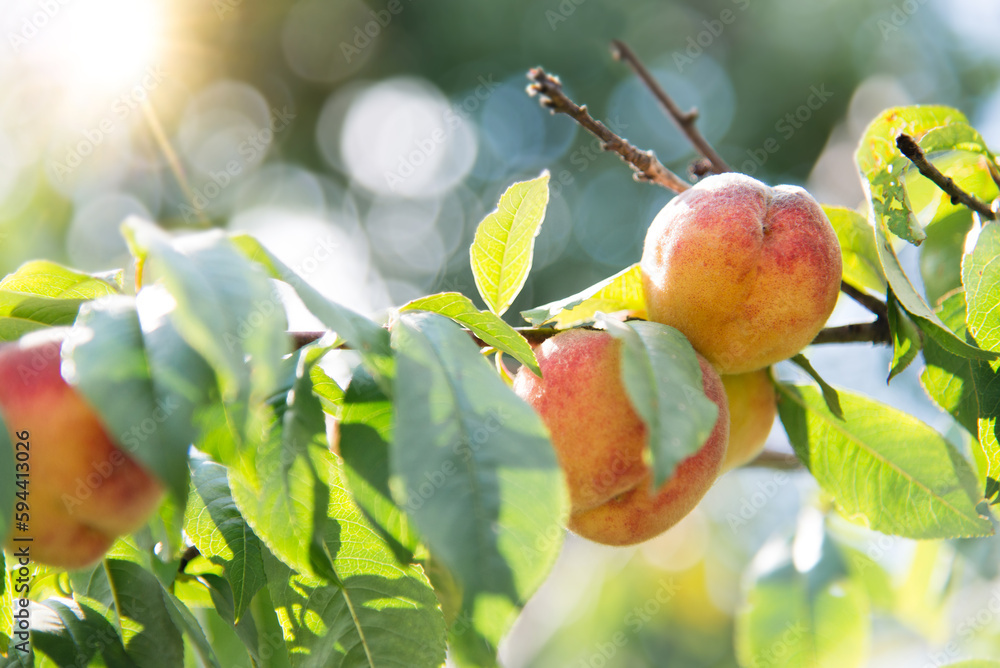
x=876 y=306
x=686 y=121
x=645 y=164
x=909 y=147
x=775 y=460
x=532 y=334
x=876 y=332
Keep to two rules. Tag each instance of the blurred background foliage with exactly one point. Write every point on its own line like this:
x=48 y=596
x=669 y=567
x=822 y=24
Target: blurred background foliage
x=363 y=142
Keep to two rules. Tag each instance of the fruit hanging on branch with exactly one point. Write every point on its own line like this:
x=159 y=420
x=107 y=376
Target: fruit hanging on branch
x=83 y=490
x=752 y=407
x=600 y=440
x=749 y=273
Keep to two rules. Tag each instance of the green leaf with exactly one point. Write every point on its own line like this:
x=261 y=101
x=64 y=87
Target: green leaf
x=484 y=324
x=967 y=389
x=960 y=153
x=360 y=333
x=956 y=135
x=21 y=314
x=914 y=304
x=215 y=525
x=366 y=429
x=48 y=279
x=883 y=467
x=882 y=166
x=246 y=627
x=502 y=251
x=44 y=294
x=663 y=379
x=133 y=600
x=830 y=395
x=145 y=382
x=73 y=634
x=968 y=170
x=889 y=202
x=185 y=621
x=981 y=277
x=906 y=340
x=875 y=579
x=381 y=614
x=225 y=307
x=621 y=292
x=877 y=149
x=794 y=619
x=278 y=485
x=948 y=379
x=331 y=397
x=478 y=475
x=941 y=255
x=862 y=268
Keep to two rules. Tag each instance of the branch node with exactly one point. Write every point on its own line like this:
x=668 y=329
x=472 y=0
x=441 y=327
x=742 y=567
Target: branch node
x=549 y=89
x=685 y=121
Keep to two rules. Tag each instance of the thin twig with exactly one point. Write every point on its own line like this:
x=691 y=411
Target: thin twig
x=876 y=332
x=532 y=334
x=173 y=161
x=873 y=304
x=645 y=164
x=190 y=554
x=775 y=460
x=909 y=147
x=686 y=121
x=993 y=170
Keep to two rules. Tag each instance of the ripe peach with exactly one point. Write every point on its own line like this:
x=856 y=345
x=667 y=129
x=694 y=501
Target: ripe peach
x=752 y=406
x=748 y=273
x=599 y=440
x=83 y=490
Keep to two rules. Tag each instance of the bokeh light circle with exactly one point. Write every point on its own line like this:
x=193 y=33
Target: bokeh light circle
x=400 y=137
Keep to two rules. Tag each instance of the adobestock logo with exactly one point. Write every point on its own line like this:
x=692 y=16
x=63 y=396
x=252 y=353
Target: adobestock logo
x=420 y=491
x=121 y=108
x=603 y=653
x=899 y=17
x=33 y=25
x=250 y=150
x=751 y=505
x=365 y=35
x=562 y=13
x=787 y=125
x=423 y=149
x=696 y=44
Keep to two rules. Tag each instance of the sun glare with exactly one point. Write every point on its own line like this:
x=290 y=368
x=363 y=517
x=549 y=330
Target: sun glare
x=101 y=44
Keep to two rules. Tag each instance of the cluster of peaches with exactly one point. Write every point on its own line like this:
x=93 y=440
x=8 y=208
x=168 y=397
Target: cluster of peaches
x=749 y=274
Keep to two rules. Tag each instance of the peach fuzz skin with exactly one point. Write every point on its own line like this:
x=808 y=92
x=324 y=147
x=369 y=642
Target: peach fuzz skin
x=599 y=441
x=752 y=407
x=749 y=273
x=69 y=450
